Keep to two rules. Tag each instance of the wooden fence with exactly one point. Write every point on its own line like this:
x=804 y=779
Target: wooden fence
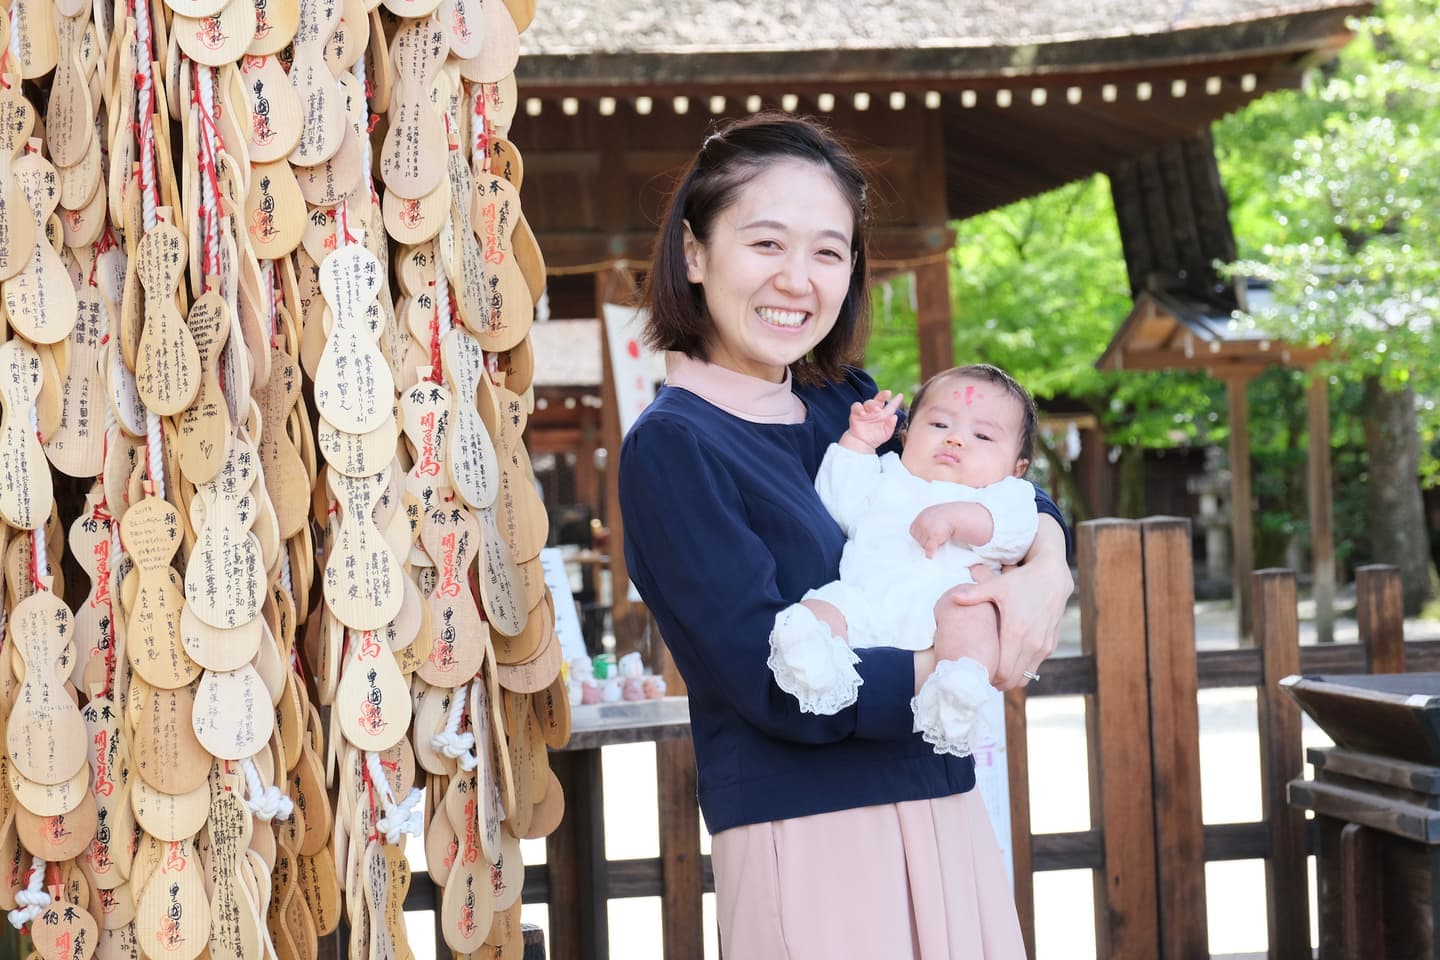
x=1139 y=673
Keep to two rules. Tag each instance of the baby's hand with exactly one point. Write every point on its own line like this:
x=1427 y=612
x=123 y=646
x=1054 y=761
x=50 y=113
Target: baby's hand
x=933 y=527
x=872 y=423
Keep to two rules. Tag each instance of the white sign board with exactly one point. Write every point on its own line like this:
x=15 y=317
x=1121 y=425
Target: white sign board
x=567 y=621
x=633 y=364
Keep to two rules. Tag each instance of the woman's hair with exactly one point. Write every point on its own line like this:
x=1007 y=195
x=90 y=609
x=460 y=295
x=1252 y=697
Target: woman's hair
x=728 y=158
x=1029 y=418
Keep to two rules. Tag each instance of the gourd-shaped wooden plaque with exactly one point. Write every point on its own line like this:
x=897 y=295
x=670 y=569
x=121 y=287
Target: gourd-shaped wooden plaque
x=17 y=222
x=205 y=426
x=151 y=532
x=167 y=362
x=173 y=914
x=322 y=121
x=45 y=736
x=470 y=457
x=39 y=298
x=354 y=388
x=412 y=158
x=225 y=577
x=451 y=536
x=508 y=309
x=77 y=448
x=373 y=699
x=362 y=577
x=27 y=494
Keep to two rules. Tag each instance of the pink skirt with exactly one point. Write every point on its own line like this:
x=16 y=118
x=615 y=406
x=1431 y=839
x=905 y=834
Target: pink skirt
x=921 y=879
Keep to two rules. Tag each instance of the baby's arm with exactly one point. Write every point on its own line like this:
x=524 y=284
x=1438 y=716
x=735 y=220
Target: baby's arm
x=872 y=423
x=957 y=522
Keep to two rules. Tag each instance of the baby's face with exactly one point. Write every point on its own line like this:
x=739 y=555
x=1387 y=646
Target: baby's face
x=968 y=432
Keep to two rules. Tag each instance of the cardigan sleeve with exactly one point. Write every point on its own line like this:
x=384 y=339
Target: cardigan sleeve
x=710 y=581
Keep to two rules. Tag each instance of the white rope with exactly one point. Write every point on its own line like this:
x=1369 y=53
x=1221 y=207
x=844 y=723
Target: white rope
x=211 y=212
x=146 y=97
x=285 y=573
x=450 y=741
x=443 y=309
x=267 y=803
x=399 y=818
x=359 y=71
x=32 y=899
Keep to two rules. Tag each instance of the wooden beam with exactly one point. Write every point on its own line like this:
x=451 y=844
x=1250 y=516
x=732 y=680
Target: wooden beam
x=1277 y=632
x=1241 y=518
x=1320 y=494
x=1175 y=736
x=1121 y=785
x=932 y=318
x=1242 y=358
x=613 y=286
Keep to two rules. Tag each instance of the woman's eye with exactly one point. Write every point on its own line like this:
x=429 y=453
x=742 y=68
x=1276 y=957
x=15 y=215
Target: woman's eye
x=832 y=254
x=766 y=244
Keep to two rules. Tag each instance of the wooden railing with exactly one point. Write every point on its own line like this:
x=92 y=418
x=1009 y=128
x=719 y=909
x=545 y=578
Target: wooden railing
x=1139 y=673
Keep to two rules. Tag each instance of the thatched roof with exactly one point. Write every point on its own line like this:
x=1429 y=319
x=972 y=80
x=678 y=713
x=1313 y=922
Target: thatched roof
x=674 y=40
x=689 y=26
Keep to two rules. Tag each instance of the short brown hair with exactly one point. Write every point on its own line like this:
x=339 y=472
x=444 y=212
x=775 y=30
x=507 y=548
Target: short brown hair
x=1029 y=418
x=727 y=159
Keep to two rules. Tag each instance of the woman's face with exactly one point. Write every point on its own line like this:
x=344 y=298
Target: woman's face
x=775 y=270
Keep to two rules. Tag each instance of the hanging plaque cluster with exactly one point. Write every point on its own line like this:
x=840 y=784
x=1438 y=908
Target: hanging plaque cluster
x=270 y=535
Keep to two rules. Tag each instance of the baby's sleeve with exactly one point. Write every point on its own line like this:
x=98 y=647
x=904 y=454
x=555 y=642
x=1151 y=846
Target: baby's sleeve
x=1011 y=503
x=845 y=482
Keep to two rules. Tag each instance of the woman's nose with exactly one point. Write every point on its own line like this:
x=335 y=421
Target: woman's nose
x=793 y=276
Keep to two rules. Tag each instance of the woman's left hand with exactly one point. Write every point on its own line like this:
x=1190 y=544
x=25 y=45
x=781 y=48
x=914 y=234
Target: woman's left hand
x=1031 y=600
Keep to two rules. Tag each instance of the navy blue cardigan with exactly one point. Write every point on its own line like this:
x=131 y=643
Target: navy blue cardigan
x=723 y=530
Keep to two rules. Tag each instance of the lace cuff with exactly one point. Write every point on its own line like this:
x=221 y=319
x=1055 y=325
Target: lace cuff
x=950 y=707
x=811 y=664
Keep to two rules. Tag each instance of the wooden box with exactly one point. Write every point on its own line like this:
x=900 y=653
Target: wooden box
x=1376 y=800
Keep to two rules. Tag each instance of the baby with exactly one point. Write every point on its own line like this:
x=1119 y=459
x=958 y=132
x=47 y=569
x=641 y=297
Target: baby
x=915 y=525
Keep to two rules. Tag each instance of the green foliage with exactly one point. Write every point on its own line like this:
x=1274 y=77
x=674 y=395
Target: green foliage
x=1335 y=195
x=1039 y=288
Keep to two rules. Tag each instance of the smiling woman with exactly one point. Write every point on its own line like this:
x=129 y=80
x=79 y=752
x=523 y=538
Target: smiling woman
x=835 y=835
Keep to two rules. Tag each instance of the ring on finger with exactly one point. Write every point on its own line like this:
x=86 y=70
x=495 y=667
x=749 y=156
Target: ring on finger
x=1031 y=675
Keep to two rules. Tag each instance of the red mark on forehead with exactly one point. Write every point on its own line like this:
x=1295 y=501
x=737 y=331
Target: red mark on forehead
x=969 y=395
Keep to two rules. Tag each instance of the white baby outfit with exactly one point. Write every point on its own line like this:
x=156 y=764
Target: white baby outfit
x=888 y=589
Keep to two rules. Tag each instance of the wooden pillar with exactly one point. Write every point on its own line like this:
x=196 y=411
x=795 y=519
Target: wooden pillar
x=1175 y=737
x=1241 y=519
x=613 y=286
x=1380 y=612
x=575 y=861
x=1277 y=631
x=1320 y=495
x=1022 y=857
x=1121 y=775
x=932 y=318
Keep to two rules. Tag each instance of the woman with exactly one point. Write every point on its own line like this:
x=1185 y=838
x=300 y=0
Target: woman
x=833 y=836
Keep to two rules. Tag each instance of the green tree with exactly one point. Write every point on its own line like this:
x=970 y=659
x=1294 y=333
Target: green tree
x=1336 y=202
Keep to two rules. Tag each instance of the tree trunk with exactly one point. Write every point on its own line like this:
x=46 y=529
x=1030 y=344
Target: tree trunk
x=1397 y=517
x=1130 y=501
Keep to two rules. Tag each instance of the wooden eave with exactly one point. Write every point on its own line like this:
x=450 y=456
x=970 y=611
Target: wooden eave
x=1167 y=333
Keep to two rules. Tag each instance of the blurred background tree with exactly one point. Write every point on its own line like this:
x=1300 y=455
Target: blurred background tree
x=1334 y=191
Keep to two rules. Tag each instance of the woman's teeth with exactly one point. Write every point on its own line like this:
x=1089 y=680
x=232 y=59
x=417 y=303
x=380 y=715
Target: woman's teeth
x=782 y=318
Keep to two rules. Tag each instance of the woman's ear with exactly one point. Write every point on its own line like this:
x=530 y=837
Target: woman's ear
x=694 y=256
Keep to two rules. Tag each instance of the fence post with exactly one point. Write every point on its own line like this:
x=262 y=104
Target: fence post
x=1277 y=630
x=1175 y=737
x=1112 y=630
x=1380 y=612
x=1022 y=859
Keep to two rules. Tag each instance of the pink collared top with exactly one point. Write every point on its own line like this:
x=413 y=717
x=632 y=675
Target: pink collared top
x=738 y=394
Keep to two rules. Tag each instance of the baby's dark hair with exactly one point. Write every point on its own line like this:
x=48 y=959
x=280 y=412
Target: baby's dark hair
x=1029 y=418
